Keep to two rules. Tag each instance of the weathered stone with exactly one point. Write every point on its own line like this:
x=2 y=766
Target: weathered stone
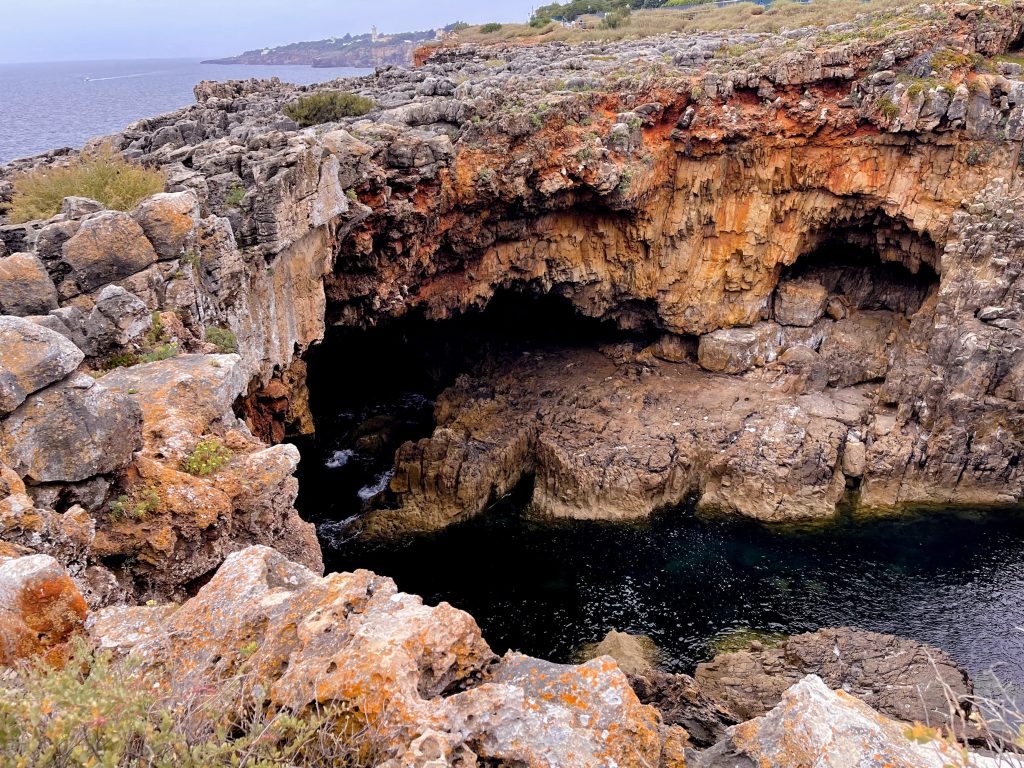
x=800 y=302
x=735 y=350
x=107 y=247
x=169 y=220
x=40 y=610
x=900 y=678
x=815 y=726
x=71 y=431
x=353 y=639
x=117 y=319
x=180 y=398
x=25 y=286
x=33 y=357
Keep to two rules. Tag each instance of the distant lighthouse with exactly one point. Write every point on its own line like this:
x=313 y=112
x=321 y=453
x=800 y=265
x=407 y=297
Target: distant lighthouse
x=373 y=33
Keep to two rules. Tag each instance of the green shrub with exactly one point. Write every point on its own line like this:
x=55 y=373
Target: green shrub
x=327 y=107
x=490 y=27
x=120 y=360
x=162 y=352
x=222 y=338
x=209 y=456
x=137 y=505
x=98 y=713
x=102 y=175
x=235 y=195
x=889 y=109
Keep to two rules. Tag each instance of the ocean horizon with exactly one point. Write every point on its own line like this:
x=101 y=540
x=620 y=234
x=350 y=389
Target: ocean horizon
x=48 y=105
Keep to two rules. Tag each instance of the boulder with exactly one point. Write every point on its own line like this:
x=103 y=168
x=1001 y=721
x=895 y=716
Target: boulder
x=901 y=678
x=118 y=318
x=635 y=654
x=412 y=670
x=814 y=726
x=33 y=357
x=683 y=704
x=25 y=286
x=169 y=221
x=107 y=247
x=800 y=302
x=71 y=431
x=40 y=610
x=736 y=350
x=857 y=350
x=180 y=398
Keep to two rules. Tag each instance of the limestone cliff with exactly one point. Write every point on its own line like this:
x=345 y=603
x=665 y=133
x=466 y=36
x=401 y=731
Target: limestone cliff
x=693 y=187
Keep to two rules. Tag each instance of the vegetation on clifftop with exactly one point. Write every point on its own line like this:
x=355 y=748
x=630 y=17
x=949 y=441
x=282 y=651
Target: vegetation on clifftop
x=327 y=107
x=637 y=20
x=101 y=175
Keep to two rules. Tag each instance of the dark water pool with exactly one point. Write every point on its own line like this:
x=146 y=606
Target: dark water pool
x=954 y=580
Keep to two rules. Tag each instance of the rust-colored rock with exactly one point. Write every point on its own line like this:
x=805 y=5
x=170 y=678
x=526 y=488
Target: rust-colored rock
x=411 y=670
x=41 y=610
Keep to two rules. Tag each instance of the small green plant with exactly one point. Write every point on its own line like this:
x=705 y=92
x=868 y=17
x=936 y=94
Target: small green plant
x=484 y=176
x=327 y=107
x=351 y=195
x=162 y=352
x=137 y=505
x=889 y=109
x=222 y=338
x=155 y=334
x=192 y=258
x=235 y=195
x=120 y=360
x=249 y=649
x=209 y=456
x=490 y=28
x=974 y=156
x=102 y=175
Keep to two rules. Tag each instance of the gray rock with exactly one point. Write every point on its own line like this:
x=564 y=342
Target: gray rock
x=813 y=725
x=735 y=350
x=70 y=432
x=77 y=207
x=118 y=318
x=900 y=678
x=106 y=248
x=25 y=286
x=33 y=357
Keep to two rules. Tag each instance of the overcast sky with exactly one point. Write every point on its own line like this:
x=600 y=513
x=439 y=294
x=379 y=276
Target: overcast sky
x=72 y=30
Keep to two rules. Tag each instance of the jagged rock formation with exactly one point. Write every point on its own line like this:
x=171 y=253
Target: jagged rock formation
x=674 y=200
x=820 y=234
x=417 y=673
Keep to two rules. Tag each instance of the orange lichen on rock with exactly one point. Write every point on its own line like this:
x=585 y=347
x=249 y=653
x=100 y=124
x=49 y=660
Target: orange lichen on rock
x=41 y=610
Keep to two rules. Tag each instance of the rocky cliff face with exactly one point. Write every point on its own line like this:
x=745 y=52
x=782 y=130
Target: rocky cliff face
x=824 y=223
x=817 y=235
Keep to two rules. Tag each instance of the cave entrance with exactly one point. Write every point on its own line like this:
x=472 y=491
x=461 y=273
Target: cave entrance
x=373 y=389
x=851 y=269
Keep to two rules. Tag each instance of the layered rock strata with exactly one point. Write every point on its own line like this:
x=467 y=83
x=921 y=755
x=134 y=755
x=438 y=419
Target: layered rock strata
x=664 y=184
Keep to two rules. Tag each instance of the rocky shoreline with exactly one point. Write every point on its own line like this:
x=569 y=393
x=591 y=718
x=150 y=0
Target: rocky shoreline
x=816 y=236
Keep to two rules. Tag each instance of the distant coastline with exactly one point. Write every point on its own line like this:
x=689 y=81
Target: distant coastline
x=368 y=50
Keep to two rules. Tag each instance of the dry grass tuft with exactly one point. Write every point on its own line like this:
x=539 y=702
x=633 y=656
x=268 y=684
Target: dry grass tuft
x=101 y=175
